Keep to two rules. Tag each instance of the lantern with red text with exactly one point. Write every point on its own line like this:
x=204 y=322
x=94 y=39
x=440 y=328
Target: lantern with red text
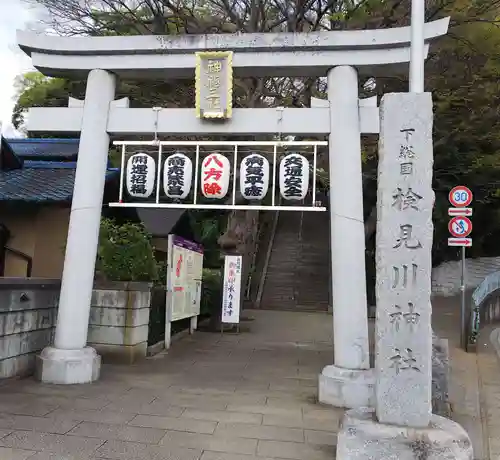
x=215 y=175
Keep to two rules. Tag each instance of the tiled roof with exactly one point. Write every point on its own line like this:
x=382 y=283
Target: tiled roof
x=39 y=185
x=40 y=179
x=48 y=148
x=8 y=160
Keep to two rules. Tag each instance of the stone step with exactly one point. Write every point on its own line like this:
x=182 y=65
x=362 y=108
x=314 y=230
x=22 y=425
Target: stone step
x=298 y=273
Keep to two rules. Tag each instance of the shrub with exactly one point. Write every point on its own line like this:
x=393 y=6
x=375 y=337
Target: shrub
x=211 y=292
x=125 y=253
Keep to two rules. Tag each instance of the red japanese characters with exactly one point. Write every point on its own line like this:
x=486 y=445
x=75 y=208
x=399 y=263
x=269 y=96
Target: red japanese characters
x=215 y=174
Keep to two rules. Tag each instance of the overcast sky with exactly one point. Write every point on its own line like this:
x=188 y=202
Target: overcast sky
x=14 y=15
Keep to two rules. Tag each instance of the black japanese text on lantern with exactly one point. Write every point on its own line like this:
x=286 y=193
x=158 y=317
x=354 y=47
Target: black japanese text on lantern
x=175 y=175
x=293 y=176
x=139 y=174
x=254 y=179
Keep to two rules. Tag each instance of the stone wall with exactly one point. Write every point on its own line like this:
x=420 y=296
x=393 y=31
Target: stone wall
x=118 y=325
x=28 y=309
x=446 y=277
x=119 y=318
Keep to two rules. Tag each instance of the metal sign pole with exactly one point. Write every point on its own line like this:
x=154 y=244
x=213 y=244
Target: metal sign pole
x=460 y=227
x=462 y=309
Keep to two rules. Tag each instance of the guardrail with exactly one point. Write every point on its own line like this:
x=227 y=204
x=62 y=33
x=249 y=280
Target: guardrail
x=484 y=308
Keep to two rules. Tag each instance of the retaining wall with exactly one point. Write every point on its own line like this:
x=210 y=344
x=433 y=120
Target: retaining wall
x=118 y=324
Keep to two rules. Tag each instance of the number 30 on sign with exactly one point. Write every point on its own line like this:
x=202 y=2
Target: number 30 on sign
x=460 y=196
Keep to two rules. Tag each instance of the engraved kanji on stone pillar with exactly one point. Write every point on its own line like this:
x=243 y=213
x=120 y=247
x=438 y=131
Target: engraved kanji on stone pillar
x=403 y=255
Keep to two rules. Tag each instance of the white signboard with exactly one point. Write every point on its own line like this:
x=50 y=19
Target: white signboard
x=140 y=175
x=232 y=289
x=460 y=212
x=254 y=177
x=294 y=177
x=177 y=176
x=184 y=276
x=215 y=175
x=465 y=242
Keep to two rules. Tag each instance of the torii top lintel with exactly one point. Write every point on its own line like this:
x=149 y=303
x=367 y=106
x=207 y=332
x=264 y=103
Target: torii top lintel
x=374 y=52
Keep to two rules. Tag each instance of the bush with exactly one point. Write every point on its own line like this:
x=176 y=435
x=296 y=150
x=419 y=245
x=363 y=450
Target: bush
x=211 y=292
x=125 y=253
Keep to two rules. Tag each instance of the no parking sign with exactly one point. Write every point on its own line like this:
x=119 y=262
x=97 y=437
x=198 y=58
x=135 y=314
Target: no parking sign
x=460 y=227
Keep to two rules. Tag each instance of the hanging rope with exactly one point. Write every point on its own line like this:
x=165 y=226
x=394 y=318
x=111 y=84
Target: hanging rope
x=279 y=111
x=157 y=111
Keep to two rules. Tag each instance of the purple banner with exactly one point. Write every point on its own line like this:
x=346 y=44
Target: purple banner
x=183 y=243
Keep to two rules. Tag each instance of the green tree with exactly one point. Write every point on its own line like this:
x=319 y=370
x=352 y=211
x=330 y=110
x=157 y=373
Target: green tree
x=462 y=72
x=33 y=89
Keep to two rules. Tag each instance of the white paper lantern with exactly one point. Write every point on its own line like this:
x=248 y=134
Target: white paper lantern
x=177 y=176
x=294 y=177
x=215 y=174
x=141 y=170
x=254 y=177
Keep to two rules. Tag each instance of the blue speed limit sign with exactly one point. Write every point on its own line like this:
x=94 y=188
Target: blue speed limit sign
x=460 y=196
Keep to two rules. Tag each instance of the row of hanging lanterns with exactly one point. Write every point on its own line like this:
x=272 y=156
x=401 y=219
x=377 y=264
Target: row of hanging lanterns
x=215 y=176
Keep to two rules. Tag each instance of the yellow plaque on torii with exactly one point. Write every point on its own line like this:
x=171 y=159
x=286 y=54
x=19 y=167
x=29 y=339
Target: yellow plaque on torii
x=214 y=84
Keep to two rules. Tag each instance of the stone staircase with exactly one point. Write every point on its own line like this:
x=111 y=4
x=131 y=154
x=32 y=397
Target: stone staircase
x=297 y=276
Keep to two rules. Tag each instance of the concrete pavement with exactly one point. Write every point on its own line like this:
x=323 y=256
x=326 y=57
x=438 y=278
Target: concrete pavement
x=247 y=396
x=230 y=397
x=474 y=381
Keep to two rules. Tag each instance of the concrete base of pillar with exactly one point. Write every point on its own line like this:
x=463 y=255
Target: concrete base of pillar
x=67 y=367
x=346 y=387
x=363 y=438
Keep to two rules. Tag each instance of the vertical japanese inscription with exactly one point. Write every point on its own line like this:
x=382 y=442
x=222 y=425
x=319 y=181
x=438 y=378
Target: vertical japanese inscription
x=214 y=84
x=404 y=242
x=140 y=173
x=177 y=176
x=215 y=172
x=405 y=200
x=294 y=177
x=232 y=290
x=254 y=177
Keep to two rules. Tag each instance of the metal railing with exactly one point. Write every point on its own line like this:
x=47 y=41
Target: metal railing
x=483 y=308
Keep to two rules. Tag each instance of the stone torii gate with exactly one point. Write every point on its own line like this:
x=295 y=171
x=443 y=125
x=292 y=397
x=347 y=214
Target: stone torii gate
x=343 y=57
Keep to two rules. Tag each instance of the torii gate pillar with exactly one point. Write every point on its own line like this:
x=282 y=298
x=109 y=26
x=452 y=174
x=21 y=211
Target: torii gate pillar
x=70 y=360
x=349 y=382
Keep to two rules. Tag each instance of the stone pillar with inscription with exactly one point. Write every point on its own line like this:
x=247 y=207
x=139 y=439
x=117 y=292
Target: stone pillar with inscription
x=405 y=199
x=402 y=425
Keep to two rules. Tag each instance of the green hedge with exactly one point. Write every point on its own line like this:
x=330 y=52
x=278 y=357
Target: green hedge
x=125 y=253
x=211 y=291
